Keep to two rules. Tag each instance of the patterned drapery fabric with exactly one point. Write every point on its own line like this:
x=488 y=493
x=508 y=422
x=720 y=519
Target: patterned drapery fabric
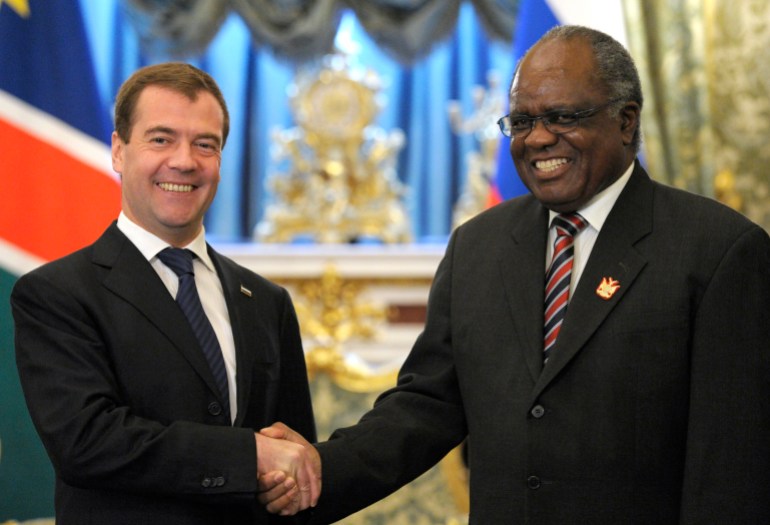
x=705 y=69
x=300 y=30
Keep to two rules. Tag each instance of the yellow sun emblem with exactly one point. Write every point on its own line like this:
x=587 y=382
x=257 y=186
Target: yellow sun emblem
x=20 y=6
x=607 y=288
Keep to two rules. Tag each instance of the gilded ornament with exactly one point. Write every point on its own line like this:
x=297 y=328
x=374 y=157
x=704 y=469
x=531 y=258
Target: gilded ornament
x=340 y=183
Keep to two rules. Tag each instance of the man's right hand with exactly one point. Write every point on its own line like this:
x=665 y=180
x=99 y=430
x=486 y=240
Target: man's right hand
x=280 y=450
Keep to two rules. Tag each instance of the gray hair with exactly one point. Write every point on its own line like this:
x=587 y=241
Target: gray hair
x=614 y=67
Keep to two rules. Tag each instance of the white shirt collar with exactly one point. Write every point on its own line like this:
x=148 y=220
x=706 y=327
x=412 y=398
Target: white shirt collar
x=150 y=244
x=599 y=207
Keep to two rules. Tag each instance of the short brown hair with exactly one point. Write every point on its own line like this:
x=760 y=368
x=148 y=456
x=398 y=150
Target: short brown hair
x=176 y=76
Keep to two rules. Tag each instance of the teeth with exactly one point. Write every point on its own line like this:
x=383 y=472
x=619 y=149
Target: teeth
x=182 y=188
x=550 y=164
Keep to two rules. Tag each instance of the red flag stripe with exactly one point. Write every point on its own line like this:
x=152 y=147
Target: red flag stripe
x=53 y=203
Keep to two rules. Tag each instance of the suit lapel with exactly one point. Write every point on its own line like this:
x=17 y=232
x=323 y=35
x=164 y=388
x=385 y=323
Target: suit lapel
x=240 y=305
x=523 y=276
x=613 y=256
x=132 y=278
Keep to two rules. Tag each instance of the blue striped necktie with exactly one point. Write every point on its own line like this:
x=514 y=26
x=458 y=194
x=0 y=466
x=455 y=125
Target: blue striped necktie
x=558 y=276
x=181 y=261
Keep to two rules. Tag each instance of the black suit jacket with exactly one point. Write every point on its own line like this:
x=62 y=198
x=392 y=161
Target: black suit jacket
x=124 y=401
x=654 y=407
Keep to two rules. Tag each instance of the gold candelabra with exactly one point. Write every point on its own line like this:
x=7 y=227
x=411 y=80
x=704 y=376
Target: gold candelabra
x=481 y=164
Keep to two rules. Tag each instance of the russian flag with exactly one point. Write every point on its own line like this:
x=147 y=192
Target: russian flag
x=57 y=194
x=535 y=18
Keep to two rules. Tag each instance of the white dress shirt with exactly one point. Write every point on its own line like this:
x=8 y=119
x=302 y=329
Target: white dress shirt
x=595 y=212
x=206 y=280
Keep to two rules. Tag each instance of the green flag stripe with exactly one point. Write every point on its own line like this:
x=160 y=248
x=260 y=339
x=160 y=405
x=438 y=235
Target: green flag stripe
x=26 y=475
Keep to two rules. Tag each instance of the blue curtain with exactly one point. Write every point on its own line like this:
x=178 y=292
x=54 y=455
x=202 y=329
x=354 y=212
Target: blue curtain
x=432 y=163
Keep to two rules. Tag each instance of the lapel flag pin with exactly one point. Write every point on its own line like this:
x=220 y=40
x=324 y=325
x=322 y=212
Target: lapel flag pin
x=607 y=288
x=245 y=291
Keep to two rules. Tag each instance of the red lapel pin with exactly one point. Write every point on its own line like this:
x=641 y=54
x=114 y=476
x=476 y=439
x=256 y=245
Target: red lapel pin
x=607 y=288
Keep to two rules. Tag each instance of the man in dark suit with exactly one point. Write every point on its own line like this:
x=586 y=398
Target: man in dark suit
x=142 y=423
x=652 y=406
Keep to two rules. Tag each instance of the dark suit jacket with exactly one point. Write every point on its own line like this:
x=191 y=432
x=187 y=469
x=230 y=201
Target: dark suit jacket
x=123 y=398
x=653 y=409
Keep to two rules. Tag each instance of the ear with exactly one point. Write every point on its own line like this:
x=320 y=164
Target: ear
x=629 y=121
x=117 y=153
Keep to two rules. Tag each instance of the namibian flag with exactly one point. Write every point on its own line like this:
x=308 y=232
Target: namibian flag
x=535 y=18
x=57 y=194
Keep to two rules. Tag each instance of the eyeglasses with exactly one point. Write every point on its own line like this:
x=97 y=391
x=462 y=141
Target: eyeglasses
x=557 y=122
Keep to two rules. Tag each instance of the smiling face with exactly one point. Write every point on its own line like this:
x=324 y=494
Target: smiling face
x=565 y=171
x=170 y=165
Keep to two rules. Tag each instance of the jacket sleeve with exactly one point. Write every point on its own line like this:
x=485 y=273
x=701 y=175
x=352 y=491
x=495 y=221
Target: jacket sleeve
x=727 y=464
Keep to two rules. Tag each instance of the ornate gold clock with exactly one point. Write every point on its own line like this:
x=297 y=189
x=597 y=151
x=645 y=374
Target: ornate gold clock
x=340 y=185
x=336 y=106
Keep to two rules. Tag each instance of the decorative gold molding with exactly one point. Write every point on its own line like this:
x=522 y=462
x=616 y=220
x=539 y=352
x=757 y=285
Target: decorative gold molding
x=332 y=312
x=345 y=375
x=456 y=472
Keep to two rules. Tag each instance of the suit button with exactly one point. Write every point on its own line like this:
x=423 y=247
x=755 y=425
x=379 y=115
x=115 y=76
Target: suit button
x=215 y=408
x=537 y=411
x=207 y=482
x=533 y=482
x=219 y=481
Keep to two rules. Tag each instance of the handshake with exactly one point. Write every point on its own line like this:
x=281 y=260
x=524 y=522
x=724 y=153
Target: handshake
x=288 y=470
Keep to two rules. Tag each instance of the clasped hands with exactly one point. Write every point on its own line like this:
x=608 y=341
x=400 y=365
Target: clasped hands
x=288 y=470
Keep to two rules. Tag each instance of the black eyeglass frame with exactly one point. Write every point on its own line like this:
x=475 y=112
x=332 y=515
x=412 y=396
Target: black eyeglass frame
x=506 y=128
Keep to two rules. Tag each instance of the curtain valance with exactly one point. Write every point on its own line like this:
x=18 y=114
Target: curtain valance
x=300 y=30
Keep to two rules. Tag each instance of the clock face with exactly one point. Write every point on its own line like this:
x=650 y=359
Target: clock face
x=336 y=106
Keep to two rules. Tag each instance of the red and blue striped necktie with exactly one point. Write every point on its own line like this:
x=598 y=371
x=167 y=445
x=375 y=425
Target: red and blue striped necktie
x=557 y=279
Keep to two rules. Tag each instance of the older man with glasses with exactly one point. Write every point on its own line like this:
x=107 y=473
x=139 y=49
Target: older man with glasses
x=603 y=343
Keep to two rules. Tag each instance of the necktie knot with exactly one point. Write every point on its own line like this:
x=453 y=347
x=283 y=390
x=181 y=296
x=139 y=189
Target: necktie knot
x=569 y=224
x=178 y=259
